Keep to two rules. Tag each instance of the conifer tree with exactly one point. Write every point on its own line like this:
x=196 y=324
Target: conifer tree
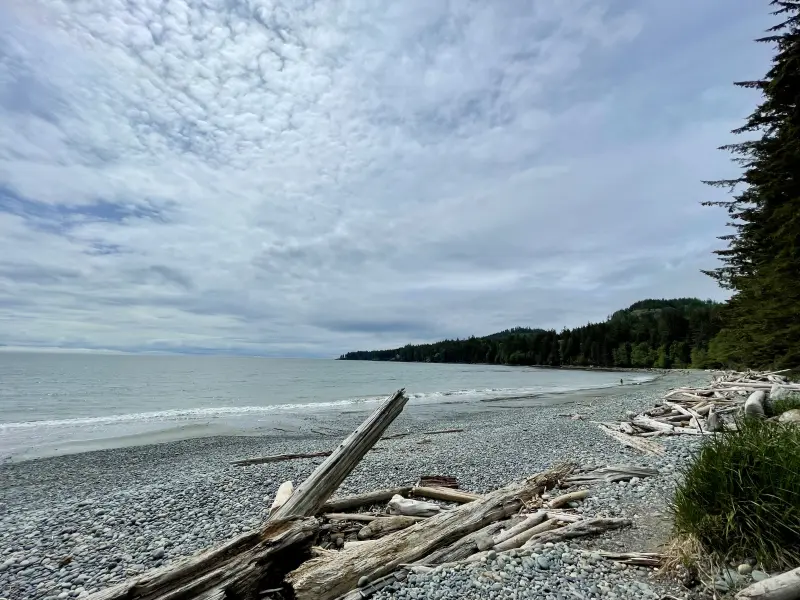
x=761 y=265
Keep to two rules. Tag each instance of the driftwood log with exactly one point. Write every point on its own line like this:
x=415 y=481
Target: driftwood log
x=358 y=517
x=644 y=446
x=412 y=508
x=260 y=460
x=525 y=536
x=438 y=481
x=310 y=495
x=530 y=521
x=578 y=529
x=369 y=499
x=327 y=579
x=285 y=490
x=639 y=559
x=236 y=569
x=380 y=527
x=240 y=568
x=567 y=498
x=407 y=433
x=785 y=586
x=466 y=546
x=610 y=474
x=444 y=494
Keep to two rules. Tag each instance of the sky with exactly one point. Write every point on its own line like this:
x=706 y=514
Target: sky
x=306 y=178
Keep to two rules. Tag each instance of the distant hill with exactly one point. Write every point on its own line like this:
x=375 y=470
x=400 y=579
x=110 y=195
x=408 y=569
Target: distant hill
x=514 y=331
x=649 y=333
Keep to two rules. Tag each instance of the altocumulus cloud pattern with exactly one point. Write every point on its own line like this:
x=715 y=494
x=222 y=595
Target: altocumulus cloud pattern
x=303 y=178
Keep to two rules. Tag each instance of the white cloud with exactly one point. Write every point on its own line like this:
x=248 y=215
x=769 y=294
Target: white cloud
x=307 y=178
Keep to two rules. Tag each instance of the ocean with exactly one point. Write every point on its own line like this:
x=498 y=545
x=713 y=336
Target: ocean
x=60 y=403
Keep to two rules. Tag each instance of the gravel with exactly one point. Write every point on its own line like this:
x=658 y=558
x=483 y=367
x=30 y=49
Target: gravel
x=74 y=524
x=553 y=572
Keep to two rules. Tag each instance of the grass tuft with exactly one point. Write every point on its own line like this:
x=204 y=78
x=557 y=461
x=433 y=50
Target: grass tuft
x=739 y=497
x=778 y=407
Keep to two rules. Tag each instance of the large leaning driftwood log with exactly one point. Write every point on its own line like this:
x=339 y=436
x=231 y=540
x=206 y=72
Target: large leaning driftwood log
x=329 y=578
x=236 y=569
x=310 y=495
x=240 y=568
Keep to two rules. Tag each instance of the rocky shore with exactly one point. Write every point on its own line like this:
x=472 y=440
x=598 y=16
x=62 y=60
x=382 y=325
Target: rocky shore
x=75 y=524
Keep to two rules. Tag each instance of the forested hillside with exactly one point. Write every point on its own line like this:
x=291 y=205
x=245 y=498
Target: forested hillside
x=650 y=333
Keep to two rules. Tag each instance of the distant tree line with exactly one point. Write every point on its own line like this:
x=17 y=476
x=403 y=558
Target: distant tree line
x=651 y=333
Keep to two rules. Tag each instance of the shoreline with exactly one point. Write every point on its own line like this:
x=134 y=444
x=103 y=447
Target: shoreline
x=304 y=416
x=117 y=512
x=556 y=367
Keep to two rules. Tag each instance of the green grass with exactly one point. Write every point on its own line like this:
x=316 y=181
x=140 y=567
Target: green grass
x=740 y=497
x=778 y=407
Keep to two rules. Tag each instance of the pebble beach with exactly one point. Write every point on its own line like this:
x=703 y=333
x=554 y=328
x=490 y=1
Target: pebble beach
x=74 y=524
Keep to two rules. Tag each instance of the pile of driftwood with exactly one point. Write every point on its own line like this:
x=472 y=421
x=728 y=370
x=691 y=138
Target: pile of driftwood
x=704 y=410
x=315 y=547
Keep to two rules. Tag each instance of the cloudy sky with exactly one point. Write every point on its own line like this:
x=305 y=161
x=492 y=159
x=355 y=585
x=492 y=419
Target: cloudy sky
x=303 y=178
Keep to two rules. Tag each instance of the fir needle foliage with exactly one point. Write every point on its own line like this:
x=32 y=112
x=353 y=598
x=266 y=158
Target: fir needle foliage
x=761 y=263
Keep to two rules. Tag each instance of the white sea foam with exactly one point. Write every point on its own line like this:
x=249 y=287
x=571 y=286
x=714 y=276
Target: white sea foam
x=223 y=412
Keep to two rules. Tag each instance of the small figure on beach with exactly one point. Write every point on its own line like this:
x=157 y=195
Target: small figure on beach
x=621 y=382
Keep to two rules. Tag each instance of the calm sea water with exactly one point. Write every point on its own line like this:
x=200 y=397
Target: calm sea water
x=53 y=403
